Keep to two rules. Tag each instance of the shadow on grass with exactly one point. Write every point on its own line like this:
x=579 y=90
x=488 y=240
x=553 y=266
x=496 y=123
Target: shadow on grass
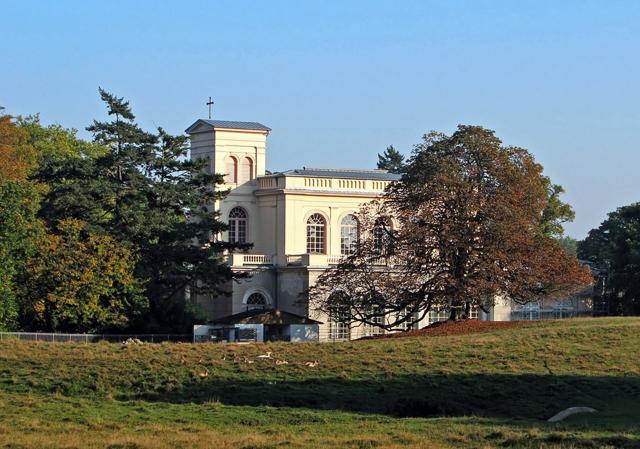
x=488 y=395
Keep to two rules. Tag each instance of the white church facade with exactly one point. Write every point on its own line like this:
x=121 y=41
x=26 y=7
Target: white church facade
x=300 y=223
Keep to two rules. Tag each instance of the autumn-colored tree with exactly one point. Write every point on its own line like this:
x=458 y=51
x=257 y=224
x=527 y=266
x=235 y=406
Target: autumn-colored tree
x=17 y=157
x=80 y=282
x=462 y=227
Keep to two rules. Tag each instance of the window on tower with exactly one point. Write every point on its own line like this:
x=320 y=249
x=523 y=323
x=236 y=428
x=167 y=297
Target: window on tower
x=246 y=170
x=231 y=174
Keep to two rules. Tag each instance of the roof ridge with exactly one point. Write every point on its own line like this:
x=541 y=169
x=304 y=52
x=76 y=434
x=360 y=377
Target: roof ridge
x=350 y=170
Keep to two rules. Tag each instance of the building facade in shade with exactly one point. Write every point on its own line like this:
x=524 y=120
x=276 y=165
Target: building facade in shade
x=300 y=223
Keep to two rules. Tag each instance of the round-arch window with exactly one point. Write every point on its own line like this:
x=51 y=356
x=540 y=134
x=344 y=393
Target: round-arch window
x=256 y=301
x=348 y=234
x=316 y=232
x=382 y=235
x=246 y=170
x=237 y=225
x=231 y=175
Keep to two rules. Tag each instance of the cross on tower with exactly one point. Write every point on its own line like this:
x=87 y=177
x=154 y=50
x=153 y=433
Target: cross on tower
x=210 y=103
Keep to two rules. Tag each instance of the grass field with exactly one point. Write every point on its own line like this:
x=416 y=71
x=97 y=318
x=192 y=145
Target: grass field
x=488 y=390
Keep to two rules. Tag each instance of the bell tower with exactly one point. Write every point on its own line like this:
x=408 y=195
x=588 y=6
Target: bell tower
x=236 y=150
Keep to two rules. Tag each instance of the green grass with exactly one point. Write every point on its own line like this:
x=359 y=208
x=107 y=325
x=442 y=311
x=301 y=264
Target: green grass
x=492 y=390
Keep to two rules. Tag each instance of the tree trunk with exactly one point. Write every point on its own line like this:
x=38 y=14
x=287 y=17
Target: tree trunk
x=467 y=310
x=453 y=315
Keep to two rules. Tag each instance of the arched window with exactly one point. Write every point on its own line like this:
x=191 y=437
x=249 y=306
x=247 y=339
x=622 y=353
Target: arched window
x=246 y=170
x=382 y=235
x=256 y=301
x=231 y=174
x=348 y=234
x=316 y=234
x=237 y=225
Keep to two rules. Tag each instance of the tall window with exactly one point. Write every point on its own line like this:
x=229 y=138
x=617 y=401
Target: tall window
x=316 y=234
x=372 y=329
x=339 y=326
x=237 y=225
x=246 y=170
x=411 y=323
x=382 y=235
x=231 y=176
x=256 y=301
x=348 y=234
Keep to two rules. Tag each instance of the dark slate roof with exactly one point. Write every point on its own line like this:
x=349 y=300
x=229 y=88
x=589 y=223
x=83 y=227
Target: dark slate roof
x=265 y=316
x=378 y=175
x=230 y=124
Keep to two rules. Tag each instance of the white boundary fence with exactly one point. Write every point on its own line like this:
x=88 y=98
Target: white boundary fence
x=93 y=338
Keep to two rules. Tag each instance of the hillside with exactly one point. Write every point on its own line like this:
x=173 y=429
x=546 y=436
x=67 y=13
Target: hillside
x=487 y=389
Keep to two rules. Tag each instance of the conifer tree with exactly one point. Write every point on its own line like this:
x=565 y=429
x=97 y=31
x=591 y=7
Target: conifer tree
x=148 y=195
x=391 y=160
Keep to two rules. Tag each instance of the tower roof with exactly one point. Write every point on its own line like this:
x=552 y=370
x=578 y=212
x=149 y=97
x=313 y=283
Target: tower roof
x=227 y=124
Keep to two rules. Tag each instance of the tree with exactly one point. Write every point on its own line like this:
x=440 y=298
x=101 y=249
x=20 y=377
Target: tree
x=56 y=142
x=20 y=234
x=146 y=194
x=17 y=157
x=614 y=247
x=569 y=244
x=391 y=160
x=555 y=212
x=80 y=282
x=465 y=228
x=20 y=229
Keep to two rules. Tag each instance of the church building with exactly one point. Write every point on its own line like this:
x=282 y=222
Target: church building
x=300 y=222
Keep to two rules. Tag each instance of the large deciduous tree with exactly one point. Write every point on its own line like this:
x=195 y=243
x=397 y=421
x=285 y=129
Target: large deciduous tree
x=80 y=282
x=614 y=247
x=465 y=225
x=20 y=229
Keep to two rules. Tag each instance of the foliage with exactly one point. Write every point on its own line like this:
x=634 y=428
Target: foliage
x=496 y=392
x=569 y=244
x=467 y=229
x=146 y=194
x=80 y=282
x=391 y=160
x=56 y=142
x=615 y=248
x=19 y=228
x=20 y=233
x=17 y=157
x=555 y=212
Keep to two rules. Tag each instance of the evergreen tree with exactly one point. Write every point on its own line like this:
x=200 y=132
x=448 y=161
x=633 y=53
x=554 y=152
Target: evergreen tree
x=147 y=194
x=392 y=161
x=614 y=248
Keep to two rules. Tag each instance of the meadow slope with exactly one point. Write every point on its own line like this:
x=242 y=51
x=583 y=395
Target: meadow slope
x=493 y=389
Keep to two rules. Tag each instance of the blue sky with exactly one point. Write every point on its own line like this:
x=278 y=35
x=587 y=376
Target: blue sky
x=338 y=81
